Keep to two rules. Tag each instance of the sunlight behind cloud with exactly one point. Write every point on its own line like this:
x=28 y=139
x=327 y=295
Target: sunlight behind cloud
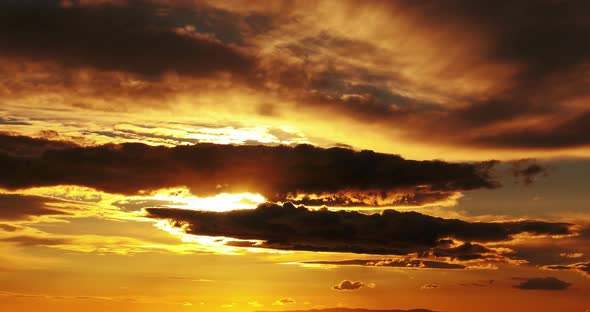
x=182 y=198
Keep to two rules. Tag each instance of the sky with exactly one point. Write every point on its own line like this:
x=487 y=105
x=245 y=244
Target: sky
x=337 y=156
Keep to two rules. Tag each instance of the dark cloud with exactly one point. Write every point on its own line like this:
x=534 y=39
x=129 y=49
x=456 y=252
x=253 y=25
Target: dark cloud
x=23 y=146
x=541 y=41
x=528 y=170
x=279 y=172
x=135 y=38
x=298 y=228
x=350 y=285
x=546 y=41
x=23 y=207
x=394 y=263
x=464 y=252
x=581 y=267
x=541 y=283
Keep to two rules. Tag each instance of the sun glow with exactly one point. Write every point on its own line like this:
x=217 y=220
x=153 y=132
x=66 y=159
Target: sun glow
x=182 y=198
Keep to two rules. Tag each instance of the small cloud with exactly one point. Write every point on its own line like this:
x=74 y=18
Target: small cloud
x=541 y=283
x=430 y=286
x=572 y=255
x=284 y=301
x=255 y=304
x=527 y=170
x=350 y=285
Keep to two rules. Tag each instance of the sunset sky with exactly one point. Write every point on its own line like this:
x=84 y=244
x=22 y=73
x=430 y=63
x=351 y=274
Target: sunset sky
x=246 y=156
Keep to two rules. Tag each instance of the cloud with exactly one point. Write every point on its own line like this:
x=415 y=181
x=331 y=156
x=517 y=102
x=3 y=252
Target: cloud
x=537 y=86
x=392 y=232
x=542 y=283
x=528 y=170
x=580 y=267
x=284 y=301
x=26 y=240
x=510 y=82
x=10 y=227
x=394 y=263
x=522 y=90
x=429 y=286
x=278 y=173
x=351 y=285
x=13 y=121
x=15 y=207
x=24 y=146
x=572 y=255
x=466 y=251
x=543 y=252
x=136 y=39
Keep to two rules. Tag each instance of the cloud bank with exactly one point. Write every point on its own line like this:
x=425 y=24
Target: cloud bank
x=397 y=233
x=304 y=173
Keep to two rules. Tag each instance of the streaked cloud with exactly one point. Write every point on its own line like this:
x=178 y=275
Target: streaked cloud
x=581 y=267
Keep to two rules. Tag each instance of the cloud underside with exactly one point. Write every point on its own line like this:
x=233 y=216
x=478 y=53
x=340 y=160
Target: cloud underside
x=301 y=174
x=289 y=227
x=472 y=74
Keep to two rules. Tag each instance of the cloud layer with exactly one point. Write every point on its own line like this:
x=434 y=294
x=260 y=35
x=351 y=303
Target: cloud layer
x=462 y=74
x=304 y=174
x=298 y=228
x=135 y=39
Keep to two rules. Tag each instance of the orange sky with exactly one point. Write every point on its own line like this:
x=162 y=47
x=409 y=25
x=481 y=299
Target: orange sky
x=293 y=155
